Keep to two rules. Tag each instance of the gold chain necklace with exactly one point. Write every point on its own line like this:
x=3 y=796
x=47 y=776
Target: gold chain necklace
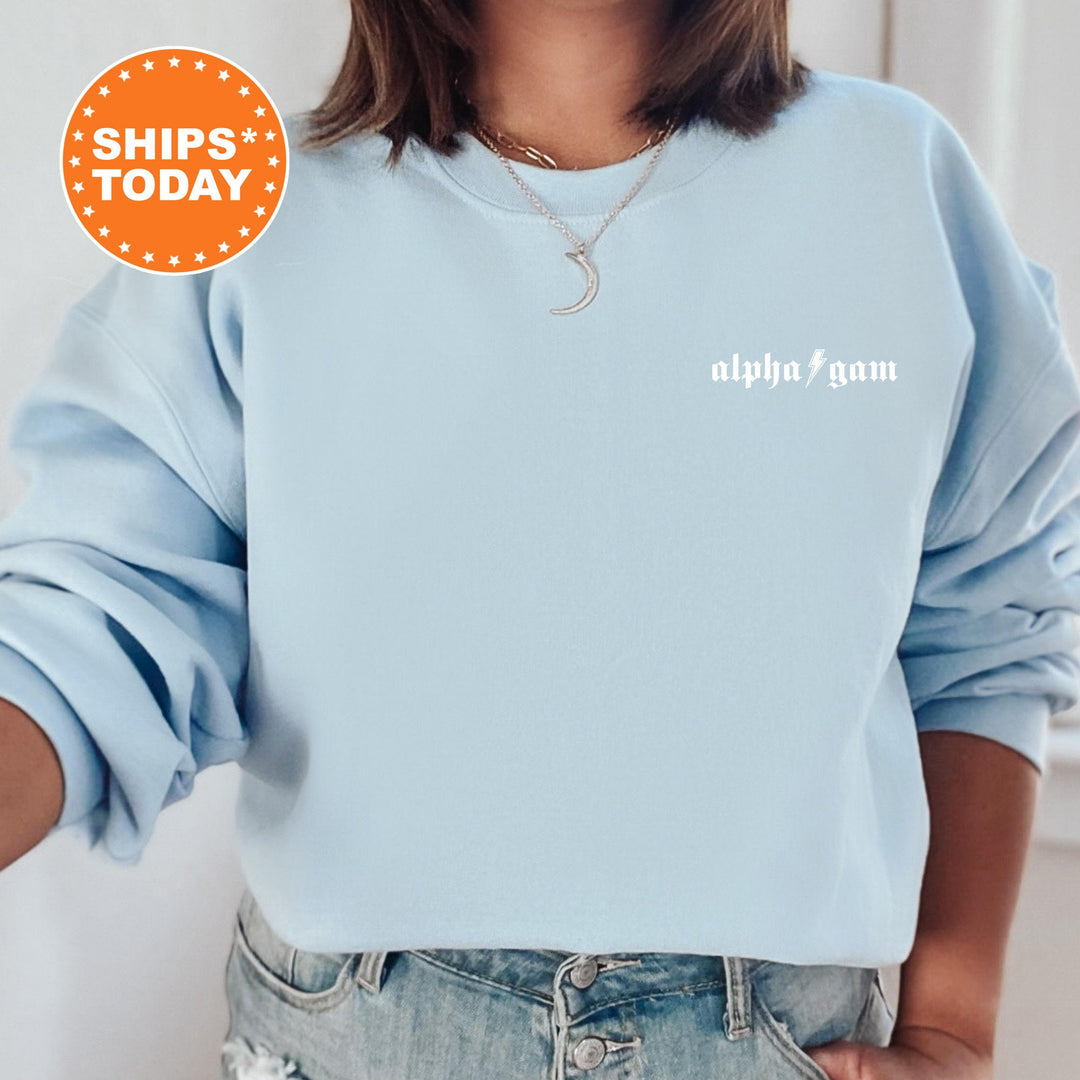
x=544 y=160
x=539 y=157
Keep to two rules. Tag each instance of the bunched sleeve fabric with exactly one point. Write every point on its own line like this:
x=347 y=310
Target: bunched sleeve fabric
x=123 y=591
x=990 y=646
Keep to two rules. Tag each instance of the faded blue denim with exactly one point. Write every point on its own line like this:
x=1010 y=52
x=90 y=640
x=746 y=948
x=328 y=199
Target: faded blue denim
x=532 y=1014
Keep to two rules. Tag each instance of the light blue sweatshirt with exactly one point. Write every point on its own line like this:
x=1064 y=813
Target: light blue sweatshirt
x=609 y=631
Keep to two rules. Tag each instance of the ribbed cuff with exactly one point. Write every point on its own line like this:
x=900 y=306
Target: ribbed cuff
x=25 y=685
x=1017 y=720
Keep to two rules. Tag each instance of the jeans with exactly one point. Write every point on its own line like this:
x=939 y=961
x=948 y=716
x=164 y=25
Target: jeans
x=532 y=1014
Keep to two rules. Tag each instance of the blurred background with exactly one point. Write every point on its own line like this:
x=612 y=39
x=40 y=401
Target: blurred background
x=110 y=971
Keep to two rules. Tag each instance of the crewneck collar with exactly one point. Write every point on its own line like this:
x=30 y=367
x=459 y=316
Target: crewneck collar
x=690 y=149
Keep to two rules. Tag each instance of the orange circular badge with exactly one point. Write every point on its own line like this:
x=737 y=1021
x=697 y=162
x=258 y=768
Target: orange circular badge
x=174 y=160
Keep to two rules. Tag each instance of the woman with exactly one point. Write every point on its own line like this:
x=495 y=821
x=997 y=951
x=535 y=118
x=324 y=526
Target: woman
x=627 y=654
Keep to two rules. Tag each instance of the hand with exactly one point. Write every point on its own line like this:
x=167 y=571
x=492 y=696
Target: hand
x=915 y=1053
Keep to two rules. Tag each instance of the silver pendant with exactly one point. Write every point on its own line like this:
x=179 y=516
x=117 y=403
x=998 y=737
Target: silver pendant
x=592 y=283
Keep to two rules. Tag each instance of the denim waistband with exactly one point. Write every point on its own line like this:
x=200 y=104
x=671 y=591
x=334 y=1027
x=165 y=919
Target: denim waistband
x=796 y=1003
x=549 y=975
x=574 y=984
x=608 y=977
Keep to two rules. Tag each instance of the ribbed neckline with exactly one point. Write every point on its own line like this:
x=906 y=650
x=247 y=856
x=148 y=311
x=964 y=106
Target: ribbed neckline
x=690 y=150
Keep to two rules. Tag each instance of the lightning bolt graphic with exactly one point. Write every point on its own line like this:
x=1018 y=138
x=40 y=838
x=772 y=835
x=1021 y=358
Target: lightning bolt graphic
x=816 y=363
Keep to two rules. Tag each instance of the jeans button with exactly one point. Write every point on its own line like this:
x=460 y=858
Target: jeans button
x=589 y=1052
x=583 y=973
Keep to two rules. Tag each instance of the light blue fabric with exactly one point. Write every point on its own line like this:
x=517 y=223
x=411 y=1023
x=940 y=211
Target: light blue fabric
x=563 y=631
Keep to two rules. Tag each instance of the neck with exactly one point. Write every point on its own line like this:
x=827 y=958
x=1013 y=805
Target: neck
x=560 y=75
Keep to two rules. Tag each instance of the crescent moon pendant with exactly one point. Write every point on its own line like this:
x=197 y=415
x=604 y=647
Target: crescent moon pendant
x=592 y=284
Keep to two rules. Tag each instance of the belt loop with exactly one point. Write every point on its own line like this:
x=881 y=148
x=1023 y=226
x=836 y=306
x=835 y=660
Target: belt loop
x=369 y=970
x=247 y=902
x=737 y=995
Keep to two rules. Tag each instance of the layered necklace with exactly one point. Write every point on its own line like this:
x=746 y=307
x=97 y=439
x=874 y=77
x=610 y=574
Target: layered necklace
x=493 y=139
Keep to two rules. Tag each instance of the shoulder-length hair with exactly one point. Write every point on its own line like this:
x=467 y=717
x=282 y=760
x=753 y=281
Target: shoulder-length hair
x=725 y=61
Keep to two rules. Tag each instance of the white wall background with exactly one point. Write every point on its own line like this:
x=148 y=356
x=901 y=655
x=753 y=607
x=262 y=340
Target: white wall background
x=110 y=971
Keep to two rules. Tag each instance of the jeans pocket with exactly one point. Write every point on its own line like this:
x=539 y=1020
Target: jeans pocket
x=781 y=1040
x=796 y=1006
x=877 y=1020
x=307 y=980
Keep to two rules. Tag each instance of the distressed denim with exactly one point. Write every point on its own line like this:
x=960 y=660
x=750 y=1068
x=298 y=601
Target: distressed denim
x=532 y=1014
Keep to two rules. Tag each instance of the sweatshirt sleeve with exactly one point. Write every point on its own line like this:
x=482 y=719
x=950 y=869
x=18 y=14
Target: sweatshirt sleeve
x=123 y=593
x=990 y=646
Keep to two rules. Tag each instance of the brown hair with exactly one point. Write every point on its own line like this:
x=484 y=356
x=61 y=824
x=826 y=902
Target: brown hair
x=725 y=61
